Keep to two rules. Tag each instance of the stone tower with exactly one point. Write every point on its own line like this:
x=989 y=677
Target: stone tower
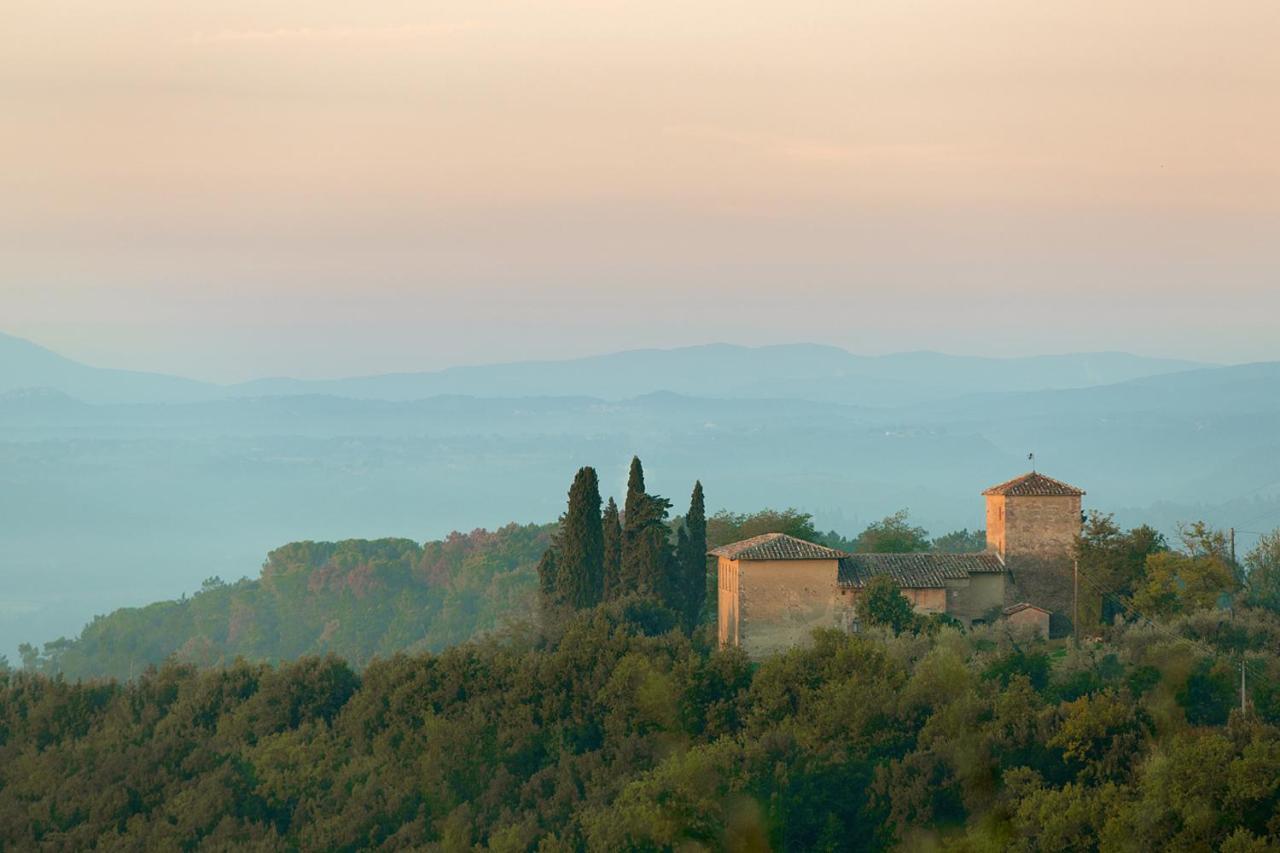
x=1032 y=525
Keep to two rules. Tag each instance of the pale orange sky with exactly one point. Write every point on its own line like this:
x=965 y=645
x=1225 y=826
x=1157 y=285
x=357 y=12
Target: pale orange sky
x=227 y=188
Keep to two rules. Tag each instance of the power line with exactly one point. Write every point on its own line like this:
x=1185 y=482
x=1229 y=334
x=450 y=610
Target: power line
x=1128 y=607
x=1275 y=510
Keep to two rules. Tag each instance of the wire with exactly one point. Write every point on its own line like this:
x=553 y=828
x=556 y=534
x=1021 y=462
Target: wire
x=1204 y=647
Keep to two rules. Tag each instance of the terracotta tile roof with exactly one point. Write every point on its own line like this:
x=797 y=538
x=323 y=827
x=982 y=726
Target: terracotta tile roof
x=916 y=571
x=1020 y=606
x=1034 y=485
x=776 y=546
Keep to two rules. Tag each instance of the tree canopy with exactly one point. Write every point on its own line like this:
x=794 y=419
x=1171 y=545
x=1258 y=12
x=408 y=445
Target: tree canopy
x=620 y=732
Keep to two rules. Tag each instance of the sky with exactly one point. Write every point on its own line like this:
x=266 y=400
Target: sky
x=243 y=188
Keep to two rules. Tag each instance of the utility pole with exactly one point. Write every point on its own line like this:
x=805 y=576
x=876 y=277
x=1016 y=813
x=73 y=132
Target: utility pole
x=1075 y=599
x=1233 y=548
x=1243 y=706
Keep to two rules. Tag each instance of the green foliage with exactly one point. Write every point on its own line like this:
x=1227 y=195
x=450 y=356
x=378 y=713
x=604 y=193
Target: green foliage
x=612 y=538
x=1209 y=693
x=648 y=561
x=725 y=527
x=1263 y=578
x=358 y=599
x=1032 y=665
x=881 y=603
x=692 y=553
x=614 y=725
x=1114 y=561
x=894 y=534
x=960 y=542
x=619 y=732
x=580 y=545
x=1175 y=583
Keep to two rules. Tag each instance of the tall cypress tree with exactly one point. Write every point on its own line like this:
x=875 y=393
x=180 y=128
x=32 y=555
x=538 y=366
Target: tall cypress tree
x=646 y=553
x=633 y=510
x=636 y=496
x=612 y=551
x=692 y=550
x=580 y=562
x=679 y=594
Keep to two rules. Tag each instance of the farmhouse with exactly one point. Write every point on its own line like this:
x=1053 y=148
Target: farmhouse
x=773 y=590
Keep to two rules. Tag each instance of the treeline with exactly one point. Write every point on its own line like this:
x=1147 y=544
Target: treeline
x=616 y=730
x=894 y=534
x=356 y=599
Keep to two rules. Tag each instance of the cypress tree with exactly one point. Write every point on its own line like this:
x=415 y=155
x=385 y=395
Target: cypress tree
x=679 y=596
x=580 y=569
x=636 y=496
x=612 y=551
x=646 y=553
x=692 y=549
x=547 y=574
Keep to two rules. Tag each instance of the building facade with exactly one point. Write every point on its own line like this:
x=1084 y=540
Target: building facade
x=1033 y=522
x=773 y=590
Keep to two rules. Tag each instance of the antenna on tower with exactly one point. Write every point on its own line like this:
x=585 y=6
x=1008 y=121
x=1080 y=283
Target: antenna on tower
x=1031 y=457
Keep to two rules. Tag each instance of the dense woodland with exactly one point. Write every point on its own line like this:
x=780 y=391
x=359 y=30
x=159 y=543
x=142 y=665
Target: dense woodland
x=607 y=719
x=356 y=599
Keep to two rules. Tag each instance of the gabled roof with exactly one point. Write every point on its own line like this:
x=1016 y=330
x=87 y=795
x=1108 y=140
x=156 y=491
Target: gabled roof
x=916 y=571
x=776 y=546
x=1021 y=606
x=1034 y=485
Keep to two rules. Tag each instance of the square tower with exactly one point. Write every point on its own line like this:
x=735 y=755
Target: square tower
x=1033 y=522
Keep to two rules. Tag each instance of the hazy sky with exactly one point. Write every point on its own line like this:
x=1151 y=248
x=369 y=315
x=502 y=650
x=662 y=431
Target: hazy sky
x=238 y=188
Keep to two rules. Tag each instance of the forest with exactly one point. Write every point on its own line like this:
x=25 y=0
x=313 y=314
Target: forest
x=356 y=599
x=605 y=718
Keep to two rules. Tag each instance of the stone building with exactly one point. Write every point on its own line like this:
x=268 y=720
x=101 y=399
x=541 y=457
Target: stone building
x=1032 y=525
x=966 y=587
x=1025 y=615
x=773 y=590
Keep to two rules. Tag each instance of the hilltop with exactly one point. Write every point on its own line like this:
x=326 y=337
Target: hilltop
x=793 y=371
x=356 y=599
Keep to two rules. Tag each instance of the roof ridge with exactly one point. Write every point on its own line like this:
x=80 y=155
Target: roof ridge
x=1033 y=484
x=776 y=546
x=917 y=569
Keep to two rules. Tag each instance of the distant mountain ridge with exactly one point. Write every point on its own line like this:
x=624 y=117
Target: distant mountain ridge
x=25 y=365
x=791 y=371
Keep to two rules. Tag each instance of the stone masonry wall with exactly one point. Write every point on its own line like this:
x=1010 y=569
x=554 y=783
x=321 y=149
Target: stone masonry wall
x=976 y=598
x=781 y=601
x=1039 y=539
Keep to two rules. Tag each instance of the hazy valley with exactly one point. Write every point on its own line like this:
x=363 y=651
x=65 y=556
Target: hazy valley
x=120 y=503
